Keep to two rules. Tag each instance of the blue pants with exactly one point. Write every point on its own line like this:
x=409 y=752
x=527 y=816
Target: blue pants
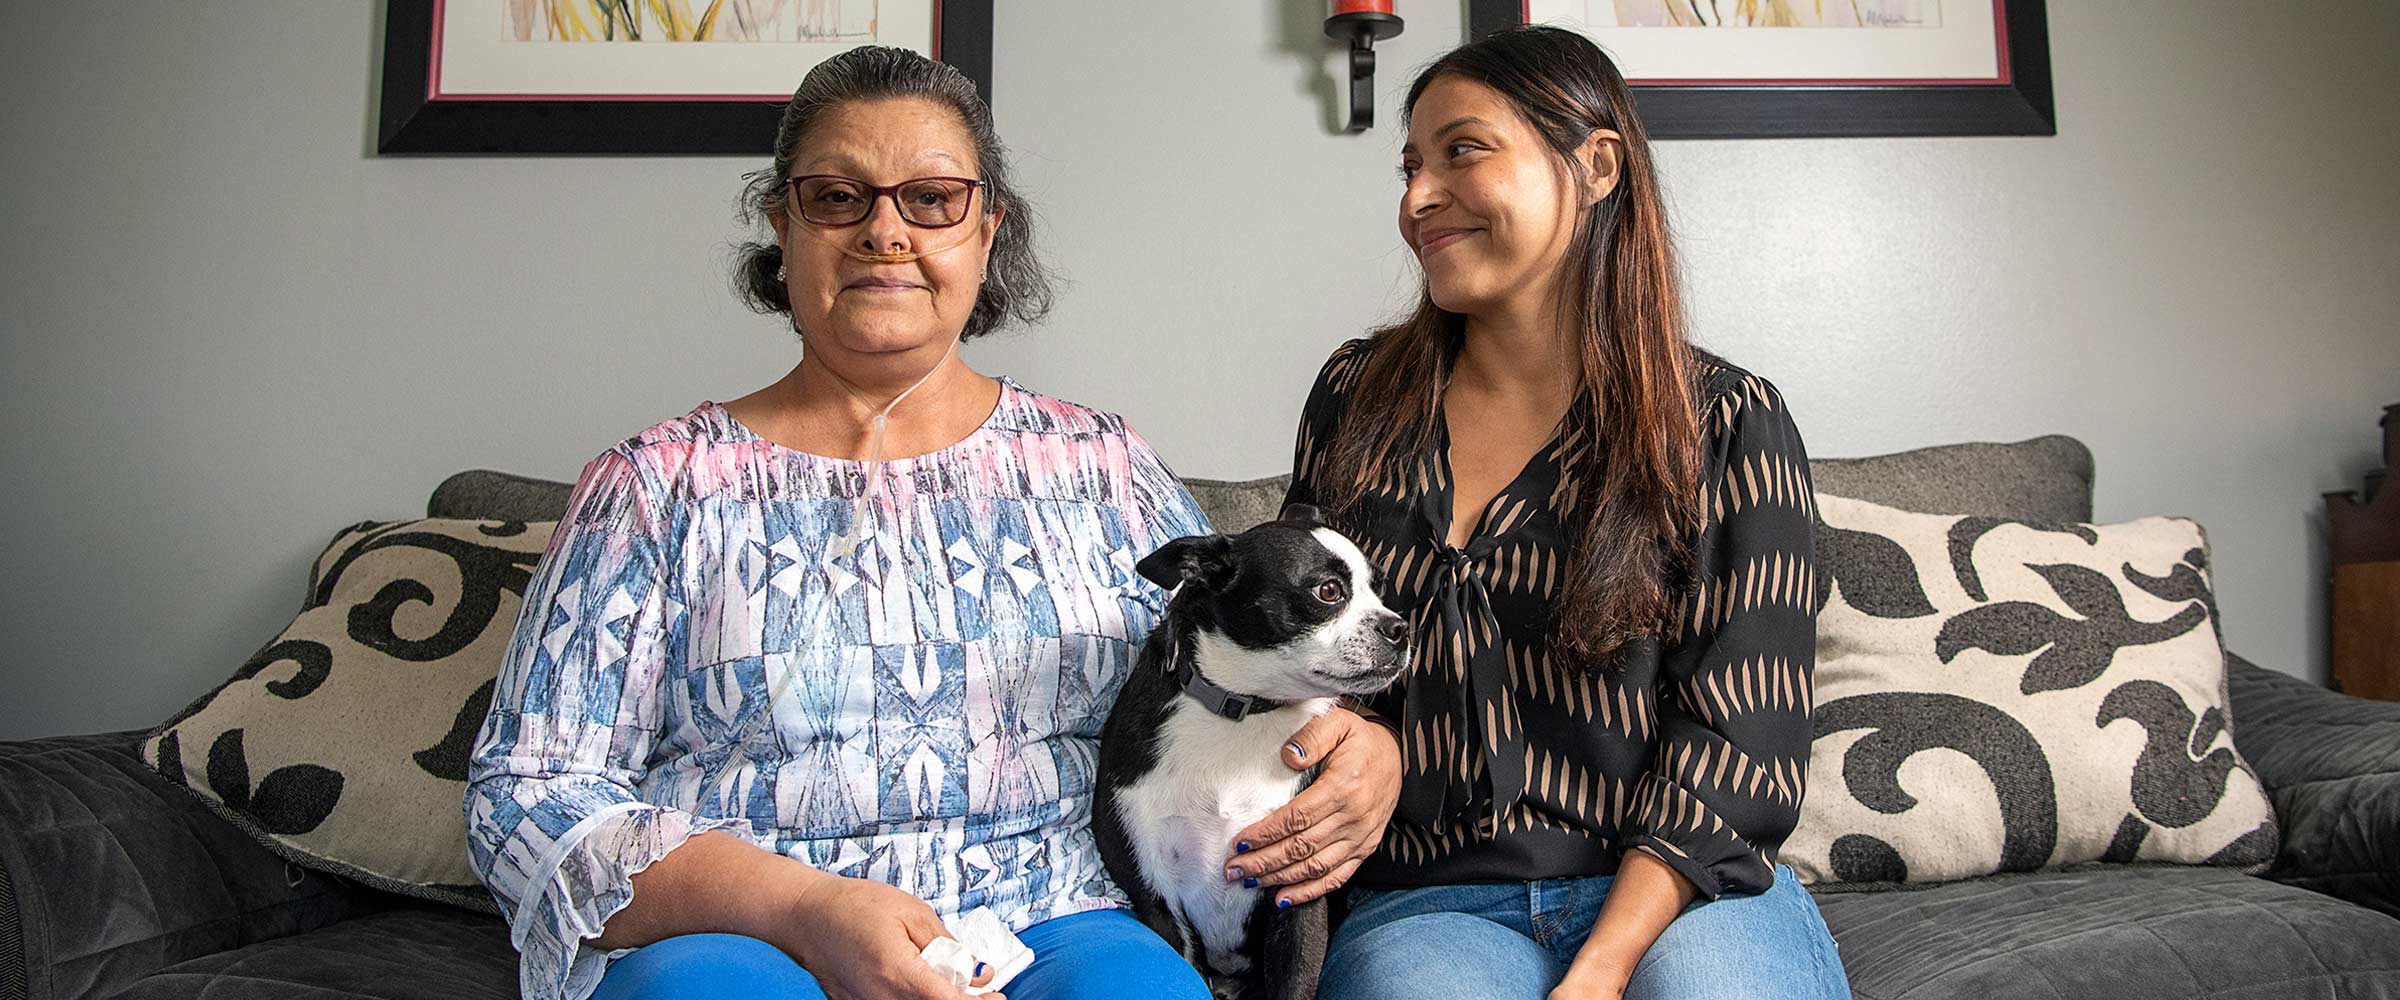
x=1084 y=956
x=1513 y=941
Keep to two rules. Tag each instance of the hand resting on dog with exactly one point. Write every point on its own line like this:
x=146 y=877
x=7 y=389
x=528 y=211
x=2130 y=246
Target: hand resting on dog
x=1318 y=839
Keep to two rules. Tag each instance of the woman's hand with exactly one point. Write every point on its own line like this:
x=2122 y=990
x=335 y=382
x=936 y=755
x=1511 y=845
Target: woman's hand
x=1588 y=982
x=1645 y=897
x=1318 y=839
x=862 y=939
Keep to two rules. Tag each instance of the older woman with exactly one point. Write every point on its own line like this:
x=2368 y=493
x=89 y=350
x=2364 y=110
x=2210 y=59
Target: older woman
x=777 y=706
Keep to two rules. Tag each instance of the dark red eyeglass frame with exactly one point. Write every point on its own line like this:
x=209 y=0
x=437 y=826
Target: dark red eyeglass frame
x=892 y=191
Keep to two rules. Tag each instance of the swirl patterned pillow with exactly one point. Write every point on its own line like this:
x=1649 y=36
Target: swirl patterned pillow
x=342 y=745
x=1997 y=695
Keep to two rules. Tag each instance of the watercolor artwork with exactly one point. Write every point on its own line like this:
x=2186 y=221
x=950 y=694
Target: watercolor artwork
x=851 y=21
x=1724 y=69
x=636 y=76
x=1778 y=13
x=626 y=49
x=1790 y=41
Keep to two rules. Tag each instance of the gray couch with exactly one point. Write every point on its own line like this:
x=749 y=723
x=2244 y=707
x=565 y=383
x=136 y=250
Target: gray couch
x=114 y=882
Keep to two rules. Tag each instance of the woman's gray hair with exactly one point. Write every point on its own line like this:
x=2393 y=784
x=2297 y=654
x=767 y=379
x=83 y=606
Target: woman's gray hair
x=1016 y=286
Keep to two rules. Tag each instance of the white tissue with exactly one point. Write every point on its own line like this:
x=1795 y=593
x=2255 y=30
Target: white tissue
x=978 y=936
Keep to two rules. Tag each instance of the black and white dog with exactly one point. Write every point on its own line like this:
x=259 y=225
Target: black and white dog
x=1265 y=630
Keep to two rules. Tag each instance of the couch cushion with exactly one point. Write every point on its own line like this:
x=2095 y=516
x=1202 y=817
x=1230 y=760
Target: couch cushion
x=412 y=953
x=1234 y=506
x=2119 y=933
x=2332 y=765
x=1998 y=695
x=2112 y=933
x=486 y=495
x=2042 y=479
x=114 y=873
x=343 y=743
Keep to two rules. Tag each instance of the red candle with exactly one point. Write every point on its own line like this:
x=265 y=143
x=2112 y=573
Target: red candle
x=1362 y=6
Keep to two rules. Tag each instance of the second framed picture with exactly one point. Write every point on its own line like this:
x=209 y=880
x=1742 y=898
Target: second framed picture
x=1784 y=68
x=635 y=76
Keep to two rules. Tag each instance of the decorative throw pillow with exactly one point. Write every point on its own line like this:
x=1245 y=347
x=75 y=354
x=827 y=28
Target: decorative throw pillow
x=1996 y=695
x=343 y=744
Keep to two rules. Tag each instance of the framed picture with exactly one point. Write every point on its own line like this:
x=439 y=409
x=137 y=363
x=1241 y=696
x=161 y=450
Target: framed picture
x=1742 y=69
x=635 y=76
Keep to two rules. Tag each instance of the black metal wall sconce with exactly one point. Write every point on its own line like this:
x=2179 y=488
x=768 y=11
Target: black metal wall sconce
x=1362 y=23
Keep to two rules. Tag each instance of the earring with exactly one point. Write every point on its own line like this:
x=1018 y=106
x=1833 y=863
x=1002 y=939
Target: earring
x=779 y=275
x=984 y=274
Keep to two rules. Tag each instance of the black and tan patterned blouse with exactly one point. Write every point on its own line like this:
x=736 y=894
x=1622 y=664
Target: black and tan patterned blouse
x=1522 y=767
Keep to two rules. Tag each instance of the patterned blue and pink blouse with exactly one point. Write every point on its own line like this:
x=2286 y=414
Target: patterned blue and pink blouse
x=940 y=731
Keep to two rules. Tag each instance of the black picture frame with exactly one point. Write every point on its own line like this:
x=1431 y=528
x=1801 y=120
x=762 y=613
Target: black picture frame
x=411 y=123
x=2021 y=106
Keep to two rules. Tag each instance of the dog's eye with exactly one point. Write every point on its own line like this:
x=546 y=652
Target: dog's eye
x=1330 y=592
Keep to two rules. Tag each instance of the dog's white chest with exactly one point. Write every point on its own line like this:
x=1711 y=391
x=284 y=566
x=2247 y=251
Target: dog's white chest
x=1213 y=778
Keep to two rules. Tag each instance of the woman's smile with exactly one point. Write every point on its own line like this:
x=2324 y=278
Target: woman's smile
x=1435 y=239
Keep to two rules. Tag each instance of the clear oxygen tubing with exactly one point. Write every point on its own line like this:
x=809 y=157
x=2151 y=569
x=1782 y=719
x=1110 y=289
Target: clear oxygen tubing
x=844 y=545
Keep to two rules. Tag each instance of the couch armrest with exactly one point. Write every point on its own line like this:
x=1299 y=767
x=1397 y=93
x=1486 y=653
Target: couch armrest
x=112 y=872
x=2332 y=765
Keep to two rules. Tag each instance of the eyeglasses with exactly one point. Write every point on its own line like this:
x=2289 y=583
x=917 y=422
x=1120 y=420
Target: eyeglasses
x=926 y=202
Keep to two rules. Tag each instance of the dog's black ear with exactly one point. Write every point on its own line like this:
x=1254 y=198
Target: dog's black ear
x=1207 y=559
x=1305 y=514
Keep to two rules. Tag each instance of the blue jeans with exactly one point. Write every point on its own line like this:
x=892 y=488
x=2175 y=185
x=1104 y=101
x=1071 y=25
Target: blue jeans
x=1514 y=940
x=1084 y=956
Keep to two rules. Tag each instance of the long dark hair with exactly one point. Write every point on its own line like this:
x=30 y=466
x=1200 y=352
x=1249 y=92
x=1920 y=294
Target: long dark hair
x=1638 y=456
x=1016 y=285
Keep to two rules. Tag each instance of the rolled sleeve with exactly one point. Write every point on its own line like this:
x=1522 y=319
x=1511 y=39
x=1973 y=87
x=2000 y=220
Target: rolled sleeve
x=555 y=828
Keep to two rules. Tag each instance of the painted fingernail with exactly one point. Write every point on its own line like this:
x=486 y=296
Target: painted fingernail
x=1232 y=873
x=1297 y=750
x=979 y=967
x=1249 y=883
x=1243 y=847
x=1283 y=904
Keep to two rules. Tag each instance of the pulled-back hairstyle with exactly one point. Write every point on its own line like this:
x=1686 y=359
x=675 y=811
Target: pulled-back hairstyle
x=1637 y=494
x=1016 y=286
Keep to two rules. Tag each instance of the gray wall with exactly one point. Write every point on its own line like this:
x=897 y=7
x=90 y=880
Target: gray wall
x=230 y=330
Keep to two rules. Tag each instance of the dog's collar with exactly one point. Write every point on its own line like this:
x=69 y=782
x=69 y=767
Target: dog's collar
x=1186 y=669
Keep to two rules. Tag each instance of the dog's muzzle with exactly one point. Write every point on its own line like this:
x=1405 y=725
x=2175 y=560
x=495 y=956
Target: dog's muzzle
x=1388 y=656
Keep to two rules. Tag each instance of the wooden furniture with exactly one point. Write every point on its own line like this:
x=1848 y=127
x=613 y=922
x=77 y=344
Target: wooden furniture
x=2363 y=534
